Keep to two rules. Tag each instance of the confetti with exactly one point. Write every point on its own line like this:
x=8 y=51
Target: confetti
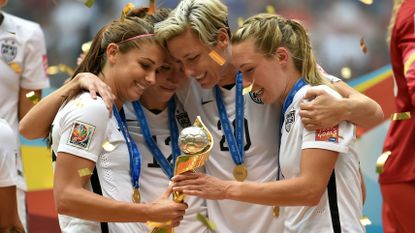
x=240 y=21
x=401 y=116
x=60 y=68
x=89 y=3
x=16 y=67
x=380 y=162
x=346 y=72
x=84 y=172
x=86 y=46
x=270 y=9
x=365 y=221
x=33 y=97
x=217 y=58
x=127 y=8
x=363 y=46
x=247 y=89
x=108 y=147
x=152 y=7
x=206 y=222
x=367 y=2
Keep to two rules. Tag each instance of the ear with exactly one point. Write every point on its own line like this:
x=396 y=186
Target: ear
x=222 y=38
x=282 y=55
x=112 y=52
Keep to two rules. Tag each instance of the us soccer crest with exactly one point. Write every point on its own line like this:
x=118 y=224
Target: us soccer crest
x=289 y=120
x=8 y=50
x=255 y=98
x=81 y=135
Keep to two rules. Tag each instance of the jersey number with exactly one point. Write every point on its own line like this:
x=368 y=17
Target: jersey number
x=170 y=158
x=247 y=138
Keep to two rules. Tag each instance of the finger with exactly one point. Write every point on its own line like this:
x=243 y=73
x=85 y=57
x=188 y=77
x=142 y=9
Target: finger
x=197 y=193
x=311 y=127
x=167 y=193
x=313 y=93
x=306 y=105
x=306 y=114
x=184 y=176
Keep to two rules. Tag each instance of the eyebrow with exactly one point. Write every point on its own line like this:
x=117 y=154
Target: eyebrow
x=146 y=58
x=189 y=54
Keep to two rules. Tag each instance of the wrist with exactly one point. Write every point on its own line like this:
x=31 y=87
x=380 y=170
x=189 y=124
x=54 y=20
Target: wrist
x=232 y=190
x=346 y=108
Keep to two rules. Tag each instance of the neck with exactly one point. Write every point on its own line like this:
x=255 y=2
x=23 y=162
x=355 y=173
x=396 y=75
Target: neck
x=118 y=101
x=149 y=102
x=228 y=76
x=293 y=78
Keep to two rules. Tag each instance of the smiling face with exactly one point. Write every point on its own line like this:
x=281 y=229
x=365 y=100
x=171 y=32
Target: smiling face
x=193 y=54
x=132 y=72
x=265 y=72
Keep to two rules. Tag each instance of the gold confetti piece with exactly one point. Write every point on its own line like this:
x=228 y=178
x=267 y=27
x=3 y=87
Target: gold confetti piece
x=240 y=21
x=365 y=221
x=33 y=97
x=380 y=162
x=346 y=72
x=217 y=58
x=152 y=7
x=367 y=2
x=127 y=8
x=270 y=9
x=84 y=172
x=400 y=116
x=363 y=46
x=89 y=3
x=16 y=67
x=60 y=68
x=85 y=46
x=108 y=147
x=247 y=89
x=206 y=222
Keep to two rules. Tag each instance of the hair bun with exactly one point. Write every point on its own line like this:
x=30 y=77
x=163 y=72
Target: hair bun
x=140 y=12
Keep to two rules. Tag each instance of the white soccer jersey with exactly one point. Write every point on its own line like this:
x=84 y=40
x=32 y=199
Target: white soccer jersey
x=261 y=151
x=347 y=185
x=153 y=181
x=8 y=153
x=23 y=64
x=80 y=128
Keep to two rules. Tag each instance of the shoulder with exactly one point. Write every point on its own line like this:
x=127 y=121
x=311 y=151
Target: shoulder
x=85 y=105
x=23 y=27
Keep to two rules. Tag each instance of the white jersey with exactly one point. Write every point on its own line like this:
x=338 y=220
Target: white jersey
x=23 y=64
x=8 y=153
x=261 y=153
x=347 y=178
x=153 y=181
x=80 y=128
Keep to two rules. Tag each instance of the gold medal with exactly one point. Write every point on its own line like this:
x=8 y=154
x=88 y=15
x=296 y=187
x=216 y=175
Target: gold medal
x=240 y=172
x=136 y=197
x=276 y=211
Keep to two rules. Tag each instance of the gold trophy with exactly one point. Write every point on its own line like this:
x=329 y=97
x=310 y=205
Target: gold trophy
x=195 y=144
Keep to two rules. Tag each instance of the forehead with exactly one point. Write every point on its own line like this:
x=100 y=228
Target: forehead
x=150 y=50
x=244 y=51
x=185 y=43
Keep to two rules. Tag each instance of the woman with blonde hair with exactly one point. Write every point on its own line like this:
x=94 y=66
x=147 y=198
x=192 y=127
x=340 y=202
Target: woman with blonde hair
x=319 y=185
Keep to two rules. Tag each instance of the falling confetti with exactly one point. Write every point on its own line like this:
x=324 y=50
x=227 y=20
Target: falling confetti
x=380 y=162
x=127 y=8
x=86 y=46
x=365 y=221
x=346 y=72
x=270 y=9
x=206 y=222
x=33 y=97
x=367 y=2
x=84 y=172
x=363 y=46
x=217 y=58
x=60 y=68
x=247 y=89
x=152 y=7
x=89 y=3
x=240 y=21
x=108 y=147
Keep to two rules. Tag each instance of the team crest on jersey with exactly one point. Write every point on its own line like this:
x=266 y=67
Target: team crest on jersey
x=183 y=119
x=289 y=120
x=328 y=135
x=255 y=98
x=81 y=135
x=8 y=50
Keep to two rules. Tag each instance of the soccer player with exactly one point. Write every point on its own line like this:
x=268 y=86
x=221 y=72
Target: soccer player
x=197 y=35
x=23 y=65
x=397 y=181
x=319 y=186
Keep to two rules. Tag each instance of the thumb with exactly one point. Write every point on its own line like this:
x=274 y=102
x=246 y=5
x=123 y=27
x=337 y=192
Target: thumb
x=167 y=193
x=313 y=93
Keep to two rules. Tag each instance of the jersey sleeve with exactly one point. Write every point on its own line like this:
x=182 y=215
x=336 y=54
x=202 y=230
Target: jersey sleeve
x=338 y=138
x=34 y=75
x=83 y=128
x=406 y=43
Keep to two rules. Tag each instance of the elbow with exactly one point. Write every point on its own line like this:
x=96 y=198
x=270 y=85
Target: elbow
x=26 y=131
x=313 y=196
x=63 y=204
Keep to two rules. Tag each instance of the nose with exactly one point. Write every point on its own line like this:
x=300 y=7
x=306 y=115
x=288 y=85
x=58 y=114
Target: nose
x=151 y=78
x=188 y=71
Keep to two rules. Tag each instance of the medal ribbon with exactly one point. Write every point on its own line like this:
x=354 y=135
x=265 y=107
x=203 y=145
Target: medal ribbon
x=236 y=146
x=290 y=97
x=135 y=156
x=152 y=145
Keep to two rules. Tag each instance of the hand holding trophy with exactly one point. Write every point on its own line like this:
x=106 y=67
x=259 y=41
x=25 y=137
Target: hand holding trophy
x=195 y=144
